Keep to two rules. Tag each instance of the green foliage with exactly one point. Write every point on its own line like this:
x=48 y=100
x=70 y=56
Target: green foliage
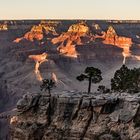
x=126 y=80
x=93 y=75
x=47 y=85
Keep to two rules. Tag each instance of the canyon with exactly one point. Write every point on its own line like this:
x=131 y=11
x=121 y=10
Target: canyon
x=33 y=50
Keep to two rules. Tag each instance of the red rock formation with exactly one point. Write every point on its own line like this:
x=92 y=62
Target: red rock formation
x=71 y=38
x=37 y=32
x=111 y=37
x=39 y=59
x=49 y=26
x=68 y=50
x=3 y=27
x=81 y=28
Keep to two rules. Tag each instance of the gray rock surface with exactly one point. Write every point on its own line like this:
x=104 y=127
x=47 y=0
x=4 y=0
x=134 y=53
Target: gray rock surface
x=77 y=116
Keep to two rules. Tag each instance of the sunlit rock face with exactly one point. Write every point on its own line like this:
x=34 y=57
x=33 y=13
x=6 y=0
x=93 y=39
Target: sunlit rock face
x=111 y=37
x=96 y=26
x=3 y=27
x=39 y=59
x=96 y=29
x=49 y=27
x=79 y=28
x=71 y=38
x=37 y=32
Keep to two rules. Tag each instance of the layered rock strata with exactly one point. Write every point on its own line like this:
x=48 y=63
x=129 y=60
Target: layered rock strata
x=77 y=116
x=68 y=40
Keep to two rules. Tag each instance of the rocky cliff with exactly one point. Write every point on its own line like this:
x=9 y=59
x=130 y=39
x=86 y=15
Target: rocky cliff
x=38 y=32
x=74 y=36
x=111 y=37
x=77 y=116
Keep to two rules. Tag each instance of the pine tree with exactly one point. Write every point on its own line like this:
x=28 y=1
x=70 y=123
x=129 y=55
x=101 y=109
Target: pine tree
x=126 y=80
x=93 y=75
x=47 y=85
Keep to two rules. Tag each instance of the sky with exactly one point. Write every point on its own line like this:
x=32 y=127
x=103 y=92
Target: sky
x=70 y=9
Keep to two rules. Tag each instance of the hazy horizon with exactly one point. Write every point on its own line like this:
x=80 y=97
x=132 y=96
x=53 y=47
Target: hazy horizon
x=70 y=9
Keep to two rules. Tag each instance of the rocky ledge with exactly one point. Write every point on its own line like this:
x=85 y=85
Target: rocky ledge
x=77 y=116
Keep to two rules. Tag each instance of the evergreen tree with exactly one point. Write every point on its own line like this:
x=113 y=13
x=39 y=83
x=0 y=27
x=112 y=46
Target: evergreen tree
x=93 y=75
x=126 y=80
x=103 y=89
x=47 y=85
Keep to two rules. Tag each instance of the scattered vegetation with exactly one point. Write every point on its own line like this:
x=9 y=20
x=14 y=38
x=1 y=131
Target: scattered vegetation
x=126 y=80
x=47 y=85
x=93 y=75
x=103 y=89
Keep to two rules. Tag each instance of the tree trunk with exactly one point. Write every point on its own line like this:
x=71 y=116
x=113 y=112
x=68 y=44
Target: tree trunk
x=49 y=91
x=89 y=86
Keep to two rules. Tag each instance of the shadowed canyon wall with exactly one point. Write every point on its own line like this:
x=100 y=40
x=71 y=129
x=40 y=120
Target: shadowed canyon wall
x=77 y=116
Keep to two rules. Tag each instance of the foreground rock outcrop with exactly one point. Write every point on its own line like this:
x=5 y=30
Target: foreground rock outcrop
x=77 y=116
